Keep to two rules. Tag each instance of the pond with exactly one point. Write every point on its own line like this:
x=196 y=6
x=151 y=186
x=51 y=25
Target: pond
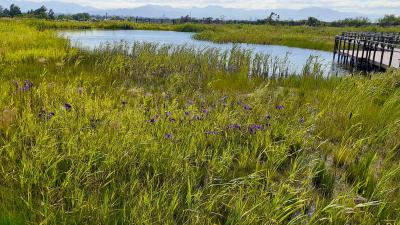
x=297 y=57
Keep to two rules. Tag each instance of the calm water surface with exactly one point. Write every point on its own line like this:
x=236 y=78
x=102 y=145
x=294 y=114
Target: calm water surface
x=91 y=39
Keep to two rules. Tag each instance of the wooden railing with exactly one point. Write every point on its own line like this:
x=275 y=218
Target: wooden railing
x=368 y=50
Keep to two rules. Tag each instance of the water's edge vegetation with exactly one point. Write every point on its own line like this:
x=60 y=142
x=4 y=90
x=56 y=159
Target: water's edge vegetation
x=170 y=135
x=318 y=38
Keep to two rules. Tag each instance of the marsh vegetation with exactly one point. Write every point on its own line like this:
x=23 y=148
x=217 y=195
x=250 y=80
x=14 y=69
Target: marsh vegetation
x=148 y=134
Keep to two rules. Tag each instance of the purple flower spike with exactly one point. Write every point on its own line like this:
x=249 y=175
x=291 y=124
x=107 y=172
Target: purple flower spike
x=254 y=128
x=302 y=120
x=280 y=107
x=67 y=106
x=206 y=111
x=16 y=84
x=234 y=127
x=172 y=120
x=51 y=114
x=247 y=107
x=168 y=136
x=154 y=119
x=168 y=114
x=27 y=85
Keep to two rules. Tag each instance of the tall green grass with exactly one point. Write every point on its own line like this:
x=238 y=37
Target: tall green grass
x=149 y=134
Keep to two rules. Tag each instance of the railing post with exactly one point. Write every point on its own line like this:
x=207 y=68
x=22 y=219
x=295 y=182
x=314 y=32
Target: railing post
x=391 y=56
x=348 y=51
x=383 y=52
x=335 y=48
x=352 y=53
x=375 y=44
x=340 y=43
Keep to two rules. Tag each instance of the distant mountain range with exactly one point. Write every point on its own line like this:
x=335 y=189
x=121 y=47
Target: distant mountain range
x=157 y=11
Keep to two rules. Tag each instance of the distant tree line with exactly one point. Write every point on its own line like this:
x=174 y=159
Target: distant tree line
x=15 y=11
x=272 y=19
x=390 y=20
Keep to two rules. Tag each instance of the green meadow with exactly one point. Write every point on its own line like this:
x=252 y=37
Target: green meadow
x=149 y=134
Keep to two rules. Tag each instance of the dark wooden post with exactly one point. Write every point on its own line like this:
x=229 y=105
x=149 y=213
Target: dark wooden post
x=352 y=53
x=335 y=48
x=358 y=50
x=362 y=55
x=348 y=51
x=368 y=55
x=375 y=48
x=340 y=43
x=383 y=52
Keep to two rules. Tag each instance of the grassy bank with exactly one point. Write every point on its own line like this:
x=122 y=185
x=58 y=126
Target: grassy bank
x=320 y=38
x=171 y=136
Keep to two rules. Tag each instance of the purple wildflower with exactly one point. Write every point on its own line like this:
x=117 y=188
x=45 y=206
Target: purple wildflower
x=234 y=126
x=172 y=120
x=254 y=128
x=154 y=119
x=168 y=136
x=247 y=107
x=51 y=114
x=168 y=114
x=187 y=113
x=302 y=120
x=27 y=85
x=206 y=111
x=211 y=132
x=67 y=106
x=280 y=107
x=16 y=84
x=44 y=115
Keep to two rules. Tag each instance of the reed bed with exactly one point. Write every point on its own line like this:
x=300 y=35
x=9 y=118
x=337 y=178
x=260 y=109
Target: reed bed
x=149 y=134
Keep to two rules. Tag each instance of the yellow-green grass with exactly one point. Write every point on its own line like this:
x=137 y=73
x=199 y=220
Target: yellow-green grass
x=81 y=143
x=320 y=38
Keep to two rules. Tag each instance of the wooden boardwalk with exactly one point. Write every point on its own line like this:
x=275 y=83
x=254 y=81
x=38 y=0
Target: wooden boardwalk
x=368 y=50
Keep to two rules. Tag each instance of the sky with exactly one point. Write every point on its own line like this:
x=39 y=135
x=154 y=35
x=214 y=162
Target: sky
x=361 y=6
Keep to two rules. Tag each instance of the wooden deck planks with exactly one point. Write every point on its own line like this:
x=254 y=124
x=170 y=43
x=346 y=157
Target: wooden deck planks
x=376 y=61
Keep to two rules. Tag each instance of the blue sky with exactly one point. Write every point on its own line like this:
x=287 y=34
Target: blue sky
x=362 y=6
